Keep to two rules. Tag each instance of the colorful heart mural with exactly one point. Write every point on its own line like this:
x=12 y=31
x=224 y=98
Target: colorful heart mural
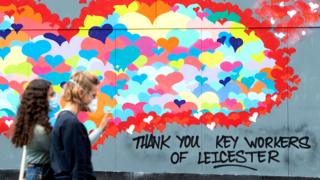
x=189 y=62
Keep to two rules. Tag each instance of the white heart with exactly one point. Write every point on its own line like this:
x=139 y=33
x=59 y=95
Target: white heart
x=313 y=6
x=281 y=4
x=9 y=123
x=274 y=97
x=211 y=126
x=148 y=119
x=254 y=116
x=280 y=35
x=130 y=129
x=292 y=13
x=198 y=115
x=272 y=21
x=303 y=33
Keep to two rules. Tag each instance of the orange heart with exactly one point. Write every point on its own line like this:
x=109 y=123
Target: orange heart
x=168 y=44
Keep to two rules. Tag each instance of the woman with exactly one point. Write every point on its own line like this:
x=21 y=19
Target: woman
x=32 y=127
x=70 y=151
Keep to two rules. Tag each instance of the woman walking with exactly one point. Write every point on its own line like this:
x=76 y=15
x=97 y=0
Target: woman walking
x=70 y=148
x=32 y=128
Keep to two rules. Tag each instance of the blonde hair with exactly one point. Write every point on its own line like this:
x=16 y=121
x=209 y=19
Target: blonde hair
x=79 y=81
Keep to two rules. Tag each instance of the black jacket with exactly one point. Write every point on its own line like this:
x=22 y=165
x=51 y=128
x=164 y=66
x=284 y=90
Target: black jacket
x=70 y=152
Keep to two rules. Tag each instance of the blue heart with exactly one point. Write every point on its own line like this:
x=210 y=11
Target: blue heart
x=123 y=114
x=237 y=69
x=111 y=91
x=101 y=33
x=158 y=51
x=17 y=27
x=7 y=112
x=201 y=80
x=173 y=57
x=56 y=78
x=124 y=57
x=36 y=49
x=144 y=97
x=5 y=33
x=222 y=39
x=139 y=78
x=250 y=103
x=58 y=39
x=235 y=76
x=88 y=54
x=132 y=37
x=4 y=87
x=179 y=103
x=235 y=43
x=194 y=52
x=225 y=81
x=248 y=81
x=4 y=52
x=54 y=61
x=261 y=76
x=147 y=108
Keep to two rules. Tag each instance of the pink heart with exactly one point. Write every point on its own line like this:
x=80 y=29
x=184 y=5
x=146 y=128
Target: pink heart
x=228 y=66
x=41 y=69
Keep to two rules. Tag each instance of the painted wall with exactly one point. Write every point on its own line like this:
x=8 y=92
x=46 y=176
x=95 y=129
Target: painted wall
x=194 y=87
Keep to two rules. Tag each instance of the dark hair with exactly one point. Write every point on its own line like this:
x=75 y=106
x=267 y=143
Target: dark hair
x=33 y=109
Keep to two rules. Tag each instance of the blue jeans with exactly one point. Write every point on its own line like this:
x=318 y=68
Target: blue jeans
x=34 y=172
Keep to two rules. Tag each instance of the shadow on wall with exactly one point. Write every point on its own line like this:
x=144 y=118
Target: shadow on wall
x=13 y=175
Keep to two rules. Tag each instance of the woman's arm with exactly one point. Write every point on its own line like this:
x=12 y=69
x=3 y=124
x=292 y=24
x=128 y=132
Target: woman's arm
x=95 y=135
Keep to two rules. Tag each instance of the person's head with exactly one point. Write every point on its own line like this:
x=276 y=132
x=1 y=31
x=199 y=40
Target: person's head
x=82 y=90
x=33 y=109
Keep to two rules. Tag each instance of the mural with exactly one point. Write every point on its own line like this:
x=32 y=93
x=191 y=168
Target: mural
x=160 y=62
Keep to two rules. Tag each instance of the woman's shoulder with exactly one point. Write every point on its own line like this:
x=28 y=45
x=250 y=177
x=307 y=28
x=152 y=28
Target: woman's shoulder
x=39 y=129
x=67 y=117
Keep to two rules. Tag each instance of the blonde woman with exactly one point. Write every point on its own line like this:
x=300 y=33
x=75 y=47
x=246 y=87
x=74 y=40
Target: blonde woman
x=70 y=151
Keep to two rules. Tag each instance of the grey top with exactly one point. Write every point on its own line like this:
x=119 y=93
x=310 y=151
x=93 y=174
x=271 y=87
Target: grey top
x=38 y=149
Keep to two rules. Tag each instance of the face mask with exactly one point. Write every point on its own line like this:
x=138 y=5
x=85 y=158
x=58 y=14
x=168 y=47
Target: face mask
x=53 y=103
x=93 y=105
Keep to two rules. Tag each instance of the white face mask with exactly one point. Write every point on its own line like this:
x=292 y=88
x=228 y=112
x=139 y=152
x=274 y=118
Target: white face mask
x=53 y=103
x=93 y=105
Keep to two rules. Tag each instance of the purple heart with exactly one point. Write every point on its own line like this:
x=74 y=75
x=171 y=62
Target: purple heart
x=100 y=33
x=235 y=43
x=225 y=81
x=5 y=33
x=17 y=27
x=221 y=39
x=179 y=103
x=58 y=39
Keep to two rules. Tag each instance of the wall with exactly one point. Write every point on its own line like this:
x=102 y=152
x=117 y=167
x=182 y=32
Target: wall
x=233 y=87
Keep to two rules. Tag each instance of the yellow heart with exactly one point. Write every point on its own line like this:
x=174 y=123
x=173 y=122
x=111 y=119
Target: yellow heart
x=211 y=59
x=142 y=60
x=177 y=64
x=258 y=57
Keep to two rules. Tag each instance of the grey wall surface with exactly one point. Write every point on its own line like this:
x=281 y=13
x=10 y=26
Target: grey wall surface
x=299 y=116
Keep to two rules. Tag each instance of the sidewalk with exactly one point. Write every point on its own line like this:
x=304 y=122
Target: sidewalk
x=13 y=175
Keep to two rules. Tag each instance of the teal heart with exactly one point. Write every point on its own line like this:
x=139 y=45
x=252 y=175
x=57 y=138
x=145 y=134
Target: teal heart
x=248 y=81
x=54 y=61
x=139 y=78
x=88 y=54
x=4 y=52
x=36 y=49
x=201 y=79
x=237 y=69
